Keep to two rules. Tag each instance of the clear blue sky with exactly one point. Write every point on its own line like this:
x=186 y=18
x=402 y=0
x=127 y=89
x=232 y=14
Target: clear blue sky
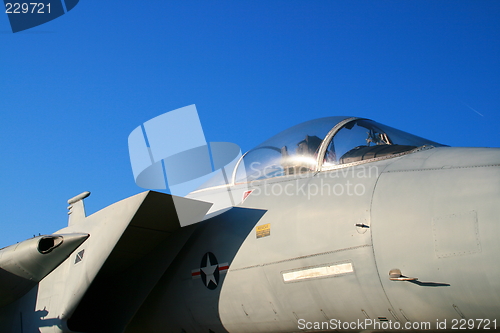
x=73 y=89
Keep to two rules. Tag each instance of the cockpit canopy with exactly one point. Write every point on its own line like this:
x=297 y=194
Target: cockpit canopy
x=324 y=144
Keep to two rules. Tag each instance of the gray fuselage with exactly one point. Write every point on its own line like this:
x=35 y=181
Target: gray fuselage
x=316 y=248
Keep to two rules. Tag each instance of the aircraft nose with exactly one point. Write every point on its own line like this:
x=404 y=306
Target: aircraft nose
x=47 y=244
x=54 y=249
x=26 y=263
x=34 y=258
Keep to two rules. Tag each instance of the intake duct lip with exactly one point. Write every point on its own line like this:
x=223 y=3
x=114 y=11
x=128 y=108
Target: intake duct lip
x=48 y=243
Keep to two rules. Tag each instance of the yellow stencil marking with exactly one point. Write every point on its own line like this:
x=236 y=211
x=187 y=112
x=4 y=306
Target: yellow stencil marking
x=263 y=230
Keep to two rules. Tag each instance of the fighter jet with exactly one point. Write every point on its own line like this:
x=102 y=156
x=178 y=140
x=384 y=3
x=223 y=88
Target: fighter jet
x=336 y=224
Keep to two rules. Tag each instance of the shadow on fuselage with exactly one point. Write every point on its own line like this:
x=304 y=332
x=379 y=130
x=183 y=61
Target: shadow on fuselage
x=22 y=316
x=181 y=302
x=158 y=292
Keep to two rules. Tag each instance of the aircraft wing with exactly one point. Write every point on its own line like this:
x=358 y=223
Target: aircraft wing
x=110 y=259
x=148 y=245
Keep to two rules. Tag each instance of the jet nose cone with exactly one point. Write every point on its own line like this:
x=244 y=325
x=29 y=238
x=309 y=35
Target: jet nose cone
x=26 y=263
x=52 y=251
x=65 y=244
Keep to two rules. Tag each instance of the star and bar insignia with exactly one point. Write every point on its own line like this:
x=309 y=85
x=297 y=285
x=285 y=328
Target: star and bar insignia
x=210 y=271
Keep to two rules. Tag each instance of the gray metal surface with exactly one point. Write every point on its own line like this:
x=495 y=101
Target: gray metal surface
x=407 y=238
x=440 y=223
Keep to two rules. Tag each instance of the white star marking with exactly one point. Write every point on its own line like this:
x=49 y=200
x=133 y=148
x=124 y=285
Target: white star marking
x=209 y=271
